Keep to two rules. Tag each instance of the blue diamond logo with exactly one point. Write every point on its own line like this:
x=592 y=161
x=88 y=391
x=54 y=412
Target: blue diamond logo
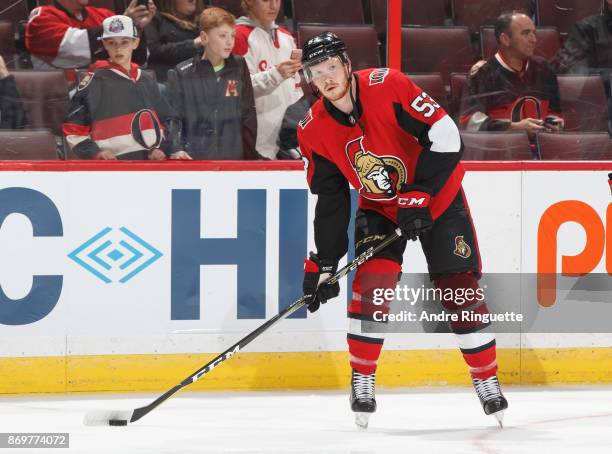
x=115 y=255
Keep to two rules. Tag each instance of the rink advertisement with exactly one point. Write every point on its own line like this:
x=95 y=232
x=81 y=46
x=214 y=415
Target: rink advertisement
x=105 y=267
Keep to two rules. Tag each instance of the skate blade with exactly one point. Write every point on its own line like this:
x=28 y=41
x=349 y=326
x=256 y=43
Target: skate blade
x=500 y=418
x=362 y=420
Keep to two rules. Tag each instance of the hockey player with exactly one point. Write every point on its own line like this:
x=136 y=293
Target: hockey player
x=117 y=111
x=377 y=131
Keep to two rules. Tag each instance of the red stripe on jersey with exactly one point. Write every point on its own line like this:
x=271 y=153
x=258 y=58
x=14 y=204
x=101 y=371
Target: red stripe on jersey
x=72 y=129
x=121 y=125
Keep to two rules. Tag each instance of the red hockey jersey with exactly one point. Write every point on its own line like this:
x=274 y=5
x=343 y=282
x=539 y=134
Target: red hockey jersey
x=57 y=39
x=398 y=134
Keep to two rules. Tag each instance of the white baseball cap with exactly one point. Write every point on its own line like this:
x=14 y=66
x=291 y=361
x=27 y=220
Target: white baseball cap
x=119 y=27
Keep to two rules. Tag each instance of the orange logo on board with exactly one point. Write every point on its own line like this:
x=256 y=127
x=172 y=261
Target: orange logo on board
x=597 y=235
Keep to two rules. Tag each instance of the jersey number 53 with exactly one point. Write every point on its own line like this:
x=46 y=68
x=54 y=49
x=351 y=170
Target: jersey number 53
x=424 y=103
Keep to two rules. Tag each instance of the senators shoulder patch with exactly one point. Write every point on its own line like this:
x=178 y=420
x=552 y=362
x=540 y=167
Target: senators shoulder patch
x=85 y=81
x=378 y=76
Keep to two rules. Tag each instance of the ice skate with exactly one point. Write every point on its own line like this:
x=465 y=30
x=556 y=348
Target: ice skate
x=362 y=398
x=493 y=401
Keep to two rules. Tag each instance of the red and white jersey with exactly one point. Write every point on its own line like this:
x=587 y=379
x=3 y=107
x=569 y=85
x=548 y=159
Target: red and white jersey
x=57 y=39
x=398 y=135
x=115 y=110
x=263 y=50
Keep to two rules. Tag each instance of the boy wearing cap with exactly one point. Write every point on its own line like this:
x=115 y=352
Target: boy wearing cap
x=115 y=113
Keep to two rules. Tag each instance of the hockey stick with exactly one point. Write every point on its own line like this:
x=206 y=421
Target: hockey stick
x=123 y=417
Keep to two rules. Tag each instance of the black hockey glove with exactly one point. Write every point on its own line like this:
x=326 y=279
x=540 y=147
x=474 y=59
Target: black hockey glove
x=316 y=271
x=413 y=216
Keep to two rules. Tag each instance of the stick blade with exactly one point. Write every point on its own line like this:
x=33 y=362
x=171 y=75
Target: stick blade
x=107 y=417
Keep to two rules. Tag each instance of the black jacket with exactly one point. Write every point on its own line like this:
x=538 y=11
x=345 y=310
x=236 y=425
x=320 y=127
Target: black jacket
x=168 y=45
x=12 y=114
x=588 y=47
x=495 y=96
x=218 y=118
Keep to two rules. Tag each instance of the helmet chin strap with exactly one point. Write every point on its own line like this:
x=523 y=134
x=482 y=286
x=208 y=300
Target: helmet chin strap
x=355 y=115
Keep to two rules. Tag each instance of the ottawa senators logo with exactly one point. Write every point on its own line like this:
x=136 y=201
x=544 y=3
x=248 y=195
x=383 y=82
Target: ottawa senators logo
x=526 y=107
x=147 y=129
x=462 y=249
x=380 y=176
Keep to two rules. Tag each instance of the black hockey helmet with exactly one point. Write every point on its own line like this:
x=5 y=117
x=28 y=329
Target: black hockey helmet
x=320 y=48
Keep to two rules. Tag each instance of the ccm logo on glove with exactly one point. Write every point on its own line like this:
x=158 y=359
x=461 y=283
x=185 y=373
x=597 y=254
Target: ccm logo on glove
x=416 y=199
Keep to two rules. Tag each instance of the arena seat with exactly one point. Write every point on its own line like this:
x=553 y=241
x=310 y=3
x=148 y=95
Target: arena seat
x=433 y=85
x=496 y=146
x=18 y=11
x=328 y=12
x=361 y=41
x=45 y=98
x=414 y=12
x=576 y=147
x=583 y=102
x=457 y=84
x=563 y=14
x=436 y=49
x=548 y=43
x=27 y=144
x=233 y=6
x=476 y=13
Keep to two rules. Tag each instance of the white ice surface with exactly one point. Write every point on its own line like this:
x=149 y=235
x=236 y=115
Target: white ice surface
x=438 y=420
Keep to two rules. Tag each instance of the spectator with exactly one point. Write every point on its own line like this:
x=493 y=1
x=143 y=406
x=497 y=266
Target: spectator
x=267 y=49
x=513 y=90
x=588 y=47
x=214 y=96
x=66 y=34
x=114 y=113
x=12 y=114
x=173 y=35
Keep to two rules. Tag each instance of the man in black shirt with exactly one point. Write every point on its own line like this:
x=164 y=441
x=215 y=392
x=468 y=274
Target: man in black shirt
x=513 y=90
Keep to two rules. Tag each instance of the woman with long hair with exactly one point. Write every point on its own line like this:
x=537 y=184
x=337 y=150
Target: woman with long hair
x=173 y=35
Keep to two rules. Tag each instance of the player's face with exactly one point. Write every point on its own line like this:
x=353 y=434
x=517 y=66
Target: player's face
x=264 y=11
x=522 y=36
x=330 y=78
x=185 y=7
x=219 y=41
x=120 y=50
